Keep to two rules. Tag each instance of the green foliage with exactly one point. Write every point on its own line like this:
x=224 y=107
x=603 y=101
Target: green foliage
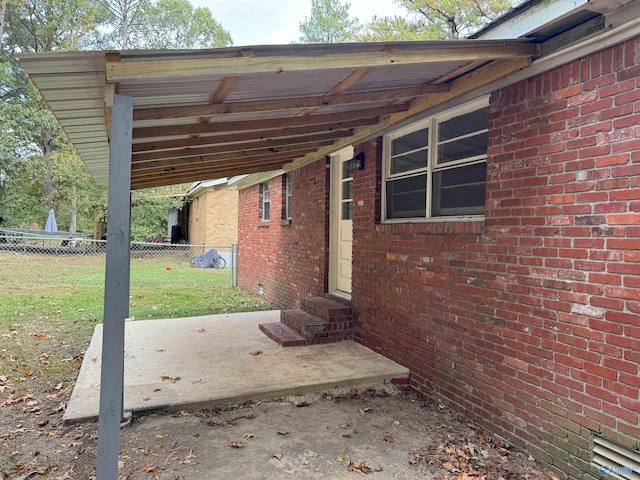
x=38 y=166
x=455 y=18
x=391 y=29
x=48 y=25
x=329 y=23
x=150 y=211
x=177 y=24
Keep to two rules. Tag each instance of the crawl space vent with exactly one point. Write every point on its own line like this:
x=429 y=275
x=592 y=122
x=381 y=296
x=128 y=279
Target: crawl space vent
x=615 y=461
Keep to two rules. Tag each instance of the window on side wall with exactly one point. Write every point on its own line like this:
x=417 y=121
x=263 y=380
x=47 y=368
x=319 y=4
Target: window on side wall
x=266 y=201
x=288 y=179
x=437 y=168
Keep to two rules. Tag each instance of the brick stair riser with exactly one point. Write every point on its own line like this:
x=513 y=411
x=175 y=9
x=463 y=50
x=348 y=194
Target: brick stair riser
x=305 y=329
x=325 y=312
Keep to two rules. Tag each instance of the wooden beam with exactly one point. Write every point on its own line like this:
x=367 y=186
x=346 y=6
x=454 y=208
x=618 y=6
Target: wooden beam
x=241 y=146
x=240 y=164
x=218 y=127
x=194 y=177
x=207 y=160
x=482 y=76
x=205 y=171
x=221 y=93
x=251 y=136
x=110 y=90
x=456 y=72
x=161 y=113
x=345 y=84
x=437 y=52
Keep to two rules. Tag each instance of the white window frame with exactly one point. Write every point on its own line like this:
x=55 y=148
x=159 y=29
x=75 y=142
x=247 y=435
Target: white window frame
x=288 y=188
x=265 y=195
x=432 y=123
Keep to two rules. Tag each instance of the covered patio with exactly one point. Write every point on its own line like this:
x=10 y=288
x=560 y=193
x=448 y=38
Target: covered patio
x=150 y=118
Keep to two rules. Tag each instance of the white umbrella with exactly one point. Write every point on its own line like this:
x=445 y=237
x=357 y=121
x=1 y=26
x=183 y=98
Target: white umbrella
x=51 y=225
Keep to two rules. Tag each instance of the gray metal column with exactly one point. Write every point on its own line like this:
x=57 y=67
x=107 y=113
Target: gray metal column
x=116 y=289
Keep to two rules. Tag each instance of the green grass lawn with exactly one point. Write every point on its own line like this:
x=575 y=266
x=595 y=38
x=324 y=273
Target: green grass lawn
x=49 y=306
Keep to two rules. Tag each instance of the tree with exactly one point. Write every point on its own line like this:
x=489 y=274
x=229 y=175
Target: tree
x=31 y=134
x=329 y=23
x=456 y=18
x=390 y=29
x=176 y=24
x=124 y=19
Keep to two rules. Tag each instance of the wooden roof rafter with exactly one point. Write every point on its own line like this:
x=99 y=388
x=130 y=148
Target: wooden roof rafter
x=260 y=107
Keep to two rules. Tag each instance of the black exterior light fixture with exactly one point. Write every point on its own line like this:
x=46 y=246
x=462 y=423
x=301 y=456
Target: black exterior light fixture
x=357 y=162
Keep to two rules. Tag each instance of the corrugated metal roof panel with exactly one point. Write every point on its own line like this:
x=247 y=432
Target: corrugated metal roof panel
x=74 y=85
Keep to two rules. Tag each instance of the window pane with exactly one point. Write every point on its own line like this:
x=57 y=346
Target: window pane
x=347 y=190
x=347 y=210
x=464 y=148
x=266 y=210
x=347 y=171
x=459 y=191
x=406 y=163
x=411 y=141
x=464 y=124
x=407 y=197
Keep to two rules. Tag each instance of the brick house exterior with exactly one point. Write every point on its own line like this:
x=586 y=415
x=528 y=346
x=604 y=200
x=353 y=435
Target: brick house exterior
x=213 y=214
x=528 y=319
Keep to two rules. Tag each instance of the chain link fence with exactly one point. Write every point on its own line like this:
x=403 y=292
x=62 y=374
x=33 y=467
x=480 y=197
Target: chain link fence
x=60 y=259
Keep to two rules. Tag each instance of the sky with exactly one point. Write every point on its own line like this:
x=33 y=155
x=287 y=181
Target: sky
x=263 y=22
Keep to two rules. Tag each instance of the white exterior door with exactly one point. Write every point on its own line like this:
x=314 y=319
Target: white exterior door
x=341 y=225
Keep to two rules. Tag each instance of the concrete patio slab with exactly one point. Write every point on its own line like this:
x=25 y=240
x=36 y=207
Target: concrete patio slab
x=211 y=360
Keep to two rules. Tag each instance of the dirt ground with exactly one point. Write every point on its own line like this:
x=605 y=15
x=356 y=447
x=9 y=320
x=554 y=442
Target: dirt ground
x=384 y=432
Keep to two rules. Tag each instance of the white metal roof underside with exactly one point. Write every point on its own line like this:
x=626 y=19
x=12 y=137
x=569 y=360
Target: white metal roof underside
x=215 y=113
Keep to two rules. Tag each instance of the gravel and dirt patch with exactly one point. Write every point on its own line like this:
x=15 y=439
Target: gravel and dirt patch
x=384 y=432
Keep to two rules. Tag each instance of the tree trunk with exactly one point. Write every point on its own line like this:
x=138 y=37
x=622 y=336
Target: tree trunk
x=72 y=225
x=3 y=8
x=47 y=180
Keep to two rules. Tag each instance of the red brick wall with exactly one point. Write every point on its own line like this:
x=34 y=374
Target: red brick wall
x=290 y=259
x=529 y=321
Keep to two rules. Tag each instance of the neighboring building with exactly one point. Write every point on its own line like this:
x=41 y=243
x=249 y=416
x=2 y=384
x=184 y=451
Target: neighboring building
x=213 y=213
x=491 y=246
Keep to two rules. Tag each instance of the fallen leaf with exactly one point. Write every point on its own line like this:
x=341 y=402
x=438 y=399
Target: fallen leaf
x=94 y=359
x=120 y=464
x=363 y=467
x=42 y=423
x=147 y=467
x=340 y=458
x=249 y=435
x=353 y=392
x=170 y=379
x=159 y=435
x=396 y=423
x=378 y=469
x=365 y=410
x=278 y=456
x=282 y=433
x=236 y=444
x=389 y=439
x=344 y=425
x=256 y=353
x=146 y=399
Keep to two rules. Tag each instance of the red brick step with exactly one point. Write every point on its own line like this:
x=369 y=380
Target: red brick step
x=281 y=334
x=327 y=309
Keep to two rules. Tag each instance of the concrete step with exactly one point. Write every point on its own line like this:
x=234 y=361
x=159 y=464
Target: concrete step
x=327 y=309
x=281 y=334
